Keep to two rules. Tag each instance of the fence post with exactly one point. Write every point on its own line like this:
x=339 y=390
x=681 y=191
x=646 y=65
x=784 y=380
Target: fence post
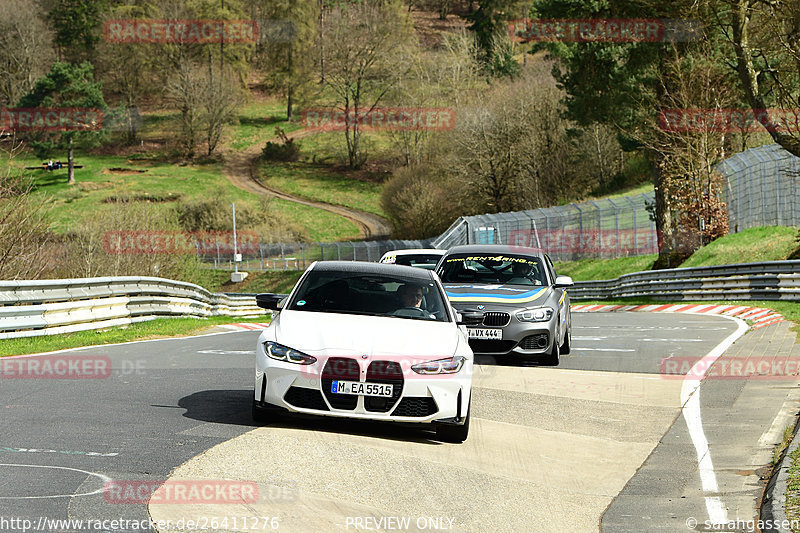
x=580 y=232
x=635 y=226
x=616 y=223
x=261 y=253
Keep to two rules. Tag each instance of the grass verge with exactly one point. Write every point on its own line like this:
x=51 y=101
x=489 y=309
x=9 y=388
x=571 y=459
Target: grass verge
x=595 y=269
x=153 y=329
x=793 y=491
x=161 y=185
x=314 y=181
x=773 y=243
x=278 y=281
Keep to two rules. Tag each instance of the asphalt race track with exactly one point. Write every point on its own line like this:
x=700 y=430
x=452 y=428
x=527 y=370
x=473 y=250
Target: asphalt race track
x=573 y=448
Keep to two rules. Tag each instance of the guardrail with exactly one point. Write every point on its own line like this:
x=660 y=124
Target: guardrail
x=769 y=280
x=50 y=307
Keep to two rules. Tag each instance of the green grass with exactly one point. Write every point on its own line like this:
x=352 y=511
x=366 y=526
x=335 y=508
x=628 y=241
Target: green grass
x=321 y=225
x=752 y=245
x=257 y=122
x=95 y=183
x=630 y=191
x=317 y=182
x=793 y=491
x=278 y=281
x=154 y=329
x=595 y=269
x=330 y=147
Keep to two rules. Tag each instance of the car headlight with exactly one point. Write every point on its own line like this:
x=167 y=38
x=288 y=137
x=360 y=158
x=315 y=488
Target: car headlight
x=541 y=314
x=451 y=365
x=289 y=355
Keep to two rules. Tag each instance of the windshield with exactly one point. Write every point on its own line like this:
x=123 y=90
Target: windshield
x=504 y=269
x=369 y=294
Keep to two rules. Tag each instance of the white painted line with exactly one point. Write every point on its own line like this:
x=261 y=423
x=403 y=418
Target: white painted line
x=671 y=340
x=690 y=400
x=104 y=479
x=604 y=349
x=774 y=434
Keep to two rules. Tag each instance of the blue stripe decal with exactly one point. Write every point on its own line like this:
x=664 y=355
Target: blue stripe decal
x=492 y=294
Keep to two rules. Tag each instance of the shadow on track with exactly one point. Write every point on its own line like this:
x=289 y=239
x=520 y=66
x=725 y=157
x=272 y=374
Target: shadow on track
x=233 y=407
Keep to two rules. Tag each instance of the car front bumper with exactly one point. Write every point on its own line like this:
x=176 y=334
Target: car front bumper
x=417 y=398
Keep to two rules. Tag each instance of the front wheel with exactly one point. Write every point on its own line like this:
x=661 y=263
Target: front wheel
x=453 y=433
x=566 y=347
x=553 y=358
x=260 y=415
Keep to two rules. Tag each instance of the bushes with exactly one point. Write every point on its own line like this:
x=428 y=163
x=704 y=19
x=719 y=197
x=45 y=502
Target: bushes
x=24 y=233
x=286 y=150
x=215 y=214
x=417 y=205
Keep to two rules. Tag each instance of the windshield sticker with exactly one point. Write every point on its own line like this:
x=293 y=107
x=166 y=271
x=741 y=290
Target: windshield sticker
x=301 y=302
x=503 y=258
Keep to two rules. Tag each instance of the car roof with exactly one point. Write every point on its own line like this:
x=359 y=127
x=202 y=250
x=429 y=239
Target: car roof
x=495 y=249
x=364 y=267
x=414 y=251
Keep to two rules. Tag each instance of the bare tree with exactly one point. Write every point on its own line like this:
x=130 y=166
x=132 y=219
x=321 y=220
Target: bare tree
x=438 y=78
x=26 y=49
x=766 y=38
x=23 y=222
x=687 y=157
x=510 y=147
x=369 y=47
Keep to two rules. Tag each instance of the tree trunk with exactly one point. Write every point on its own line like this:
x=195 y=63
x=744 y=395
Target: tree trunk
x=665 y=231
x=290 y=84
x=322 y=41
x=70 y=164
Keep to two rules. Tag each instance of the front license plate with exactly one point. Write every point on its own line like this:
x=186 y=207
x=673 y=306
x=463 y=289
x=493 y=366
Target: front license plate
x=361 y=389
x=482 y=333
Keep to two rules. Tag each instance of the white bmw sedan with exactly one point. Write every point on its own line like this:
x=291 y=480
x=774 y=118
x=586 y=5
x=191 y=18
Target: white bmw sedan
x=368 y=341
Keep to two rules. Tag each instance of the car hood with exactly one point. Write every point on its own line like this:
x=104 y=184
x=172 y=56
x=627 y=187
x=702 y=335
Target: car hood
x=463 y=295
x=350 y=335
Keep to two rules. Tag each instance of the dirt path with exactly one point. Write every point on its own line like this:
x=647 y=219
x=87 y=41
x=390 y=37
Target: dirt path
x=240 y=169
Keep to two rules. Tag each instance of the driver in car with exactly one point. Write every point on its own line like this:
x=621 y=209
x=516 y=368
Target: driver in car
x=410 y=295
x=523 y=274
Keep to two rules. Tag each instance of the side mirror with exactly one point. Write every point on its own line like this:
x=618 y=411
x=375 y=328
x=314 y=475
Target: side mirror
x=269 y=301
x=562 y=282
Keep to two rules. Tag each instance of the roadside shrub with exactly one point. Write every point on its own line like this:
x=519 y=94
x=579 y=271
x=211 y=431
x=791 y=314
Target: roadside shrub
x=24 y=235
x=88 y=250
x=215 y=214
x=417 y=205
x=286 y=150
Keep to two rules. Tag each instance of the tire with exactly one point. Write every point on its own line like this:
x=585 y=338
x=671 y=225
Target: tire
x=454 y=434
x=553 y=358
x=261 y=416
x=566 y=347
